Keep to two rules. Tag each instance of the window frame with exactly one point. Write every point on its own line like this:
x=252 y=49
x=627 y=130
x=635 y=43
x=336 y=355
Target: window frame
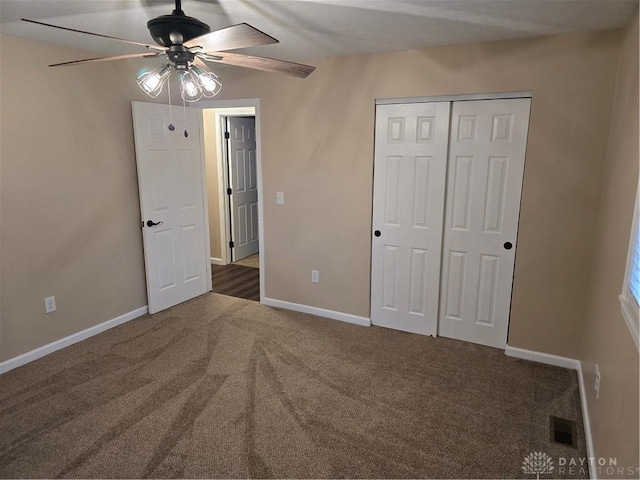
x=628 y=303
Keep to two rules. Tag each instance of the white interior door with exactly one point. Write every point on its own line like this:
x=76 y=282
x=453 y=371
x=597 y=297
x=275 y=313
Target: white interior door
x=171 y=199
x=244 y=190
x=408 y=205
x=486 y=166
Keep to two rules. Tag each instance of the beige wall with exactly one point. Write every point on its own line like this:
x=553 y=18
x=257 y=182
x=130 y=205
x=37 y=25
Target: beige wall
x=318 y=136
x=70 y=212
x=211 y=156
x=607 y=340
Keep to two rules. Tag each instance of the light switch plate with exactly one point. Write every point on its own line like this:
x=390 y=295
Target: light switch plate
x=280 y=198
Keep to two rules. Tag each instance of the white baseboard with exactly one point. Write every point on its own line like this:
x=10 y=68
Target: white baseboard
x=587 y=422
x=572 y=364
x=541 y=357
x=70 y=340
x=216 y=261
x=320 y=312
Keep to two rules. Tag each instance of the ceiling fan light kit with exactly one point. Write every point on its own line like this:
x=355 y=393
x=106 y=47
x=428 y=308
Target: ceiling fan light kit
x=195 y=82
x=188 y=43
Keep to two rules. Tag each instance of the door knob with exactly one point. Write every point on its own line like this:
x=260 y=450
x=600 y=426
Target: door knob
x=508 y=245
x=377 y=233
x=151 y=223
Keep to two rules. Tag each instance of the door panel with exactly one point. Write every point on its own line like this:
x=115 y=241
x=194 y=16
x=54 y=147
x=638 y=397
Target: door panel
x=454 y=293
x=461 y=195
x=409 y=180
x=418 y=282
x=244 y=181
x=171 y=192
x=486 y=166
x=496 y=190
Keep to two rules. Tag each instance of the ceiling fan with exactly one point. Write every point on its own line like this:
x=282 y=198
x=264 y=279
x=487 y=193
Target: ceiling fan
x=188 y=43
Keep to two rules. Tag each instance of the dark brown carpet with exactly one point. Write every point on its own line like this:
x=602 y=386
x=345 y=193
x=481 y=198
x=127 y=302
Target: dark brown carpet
x=222 y=387
x=236 y=280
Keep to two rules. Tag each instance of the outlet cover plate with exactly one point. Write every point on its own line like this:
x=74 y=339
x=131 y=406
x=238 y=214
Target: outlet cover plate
x=50 y=304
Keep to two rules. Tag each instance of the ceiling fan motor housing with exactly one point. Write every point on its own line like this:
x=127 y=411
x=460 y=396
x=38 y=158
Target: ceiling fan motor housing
x=163 y=26
x=180 y=57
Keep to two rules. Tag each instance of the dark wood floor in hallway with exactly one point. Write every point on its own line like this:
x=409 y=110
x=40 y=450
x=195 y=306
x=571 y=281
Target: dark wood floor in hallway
x=236 y=281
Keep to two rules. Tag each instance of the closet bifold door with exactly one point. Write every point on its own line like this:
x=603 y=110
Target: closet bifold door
x=410 y=165
x=484 y=183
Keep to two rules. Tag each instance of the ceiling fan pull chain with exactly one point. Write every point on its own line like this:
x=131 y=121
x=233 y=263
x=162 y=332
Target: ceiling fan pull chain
x=171 y=125
x=184 y=111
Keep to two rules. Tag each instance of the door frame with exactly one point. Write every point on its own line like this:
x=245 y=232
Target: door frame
x=207 y=231
x=220 y=115
x=226 y=108
x=432 y=99
x=456 y=98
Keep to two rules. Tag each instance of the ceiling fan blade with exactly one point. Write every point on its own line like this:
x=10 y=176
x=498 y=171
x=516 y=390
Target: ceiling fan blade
x=155 y=3
x=230 y=38
x=149 y=46
x=107 y=59
x=259 y=63
x=199 y=62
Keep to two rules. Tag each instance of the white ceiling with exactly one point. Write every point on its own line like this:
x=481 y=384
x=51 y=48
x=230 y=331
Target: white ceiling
x=312 y=29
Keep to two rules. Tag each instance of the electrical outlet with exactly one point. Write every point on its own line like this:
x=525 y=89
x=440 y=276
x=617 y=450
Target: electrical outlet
x=596 y=385
x=315 y=276
x=50 y=304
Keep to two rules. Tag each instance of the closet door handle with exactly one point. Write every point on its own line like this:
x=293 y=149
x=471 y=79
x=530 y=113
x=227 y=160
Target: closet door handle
x=151 y=223
x=508 y=245
x=377 y=233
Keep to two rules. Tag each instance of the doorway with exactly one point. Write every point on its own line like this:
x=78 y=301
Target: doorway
x=241 y=188
x=232 y=153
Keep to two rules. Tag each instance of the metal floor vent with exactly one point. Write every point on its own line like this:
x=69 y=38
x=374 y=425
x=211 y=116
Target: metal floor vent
x=564 y=432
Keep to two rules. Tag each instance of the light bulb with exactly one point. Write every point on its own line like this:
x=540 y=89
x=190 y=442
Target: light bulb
x=151 y=82
x=191 y=91
x=209 y=81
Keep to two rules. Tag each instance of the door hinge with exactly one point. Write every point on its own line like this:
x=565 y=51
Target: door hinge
x=226 y=135
x=229 y=191
x=231 y=245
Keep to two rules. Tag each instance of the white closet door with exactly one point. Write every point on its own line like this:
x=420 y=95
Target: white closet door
x=408 y=206
x=485 y=171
